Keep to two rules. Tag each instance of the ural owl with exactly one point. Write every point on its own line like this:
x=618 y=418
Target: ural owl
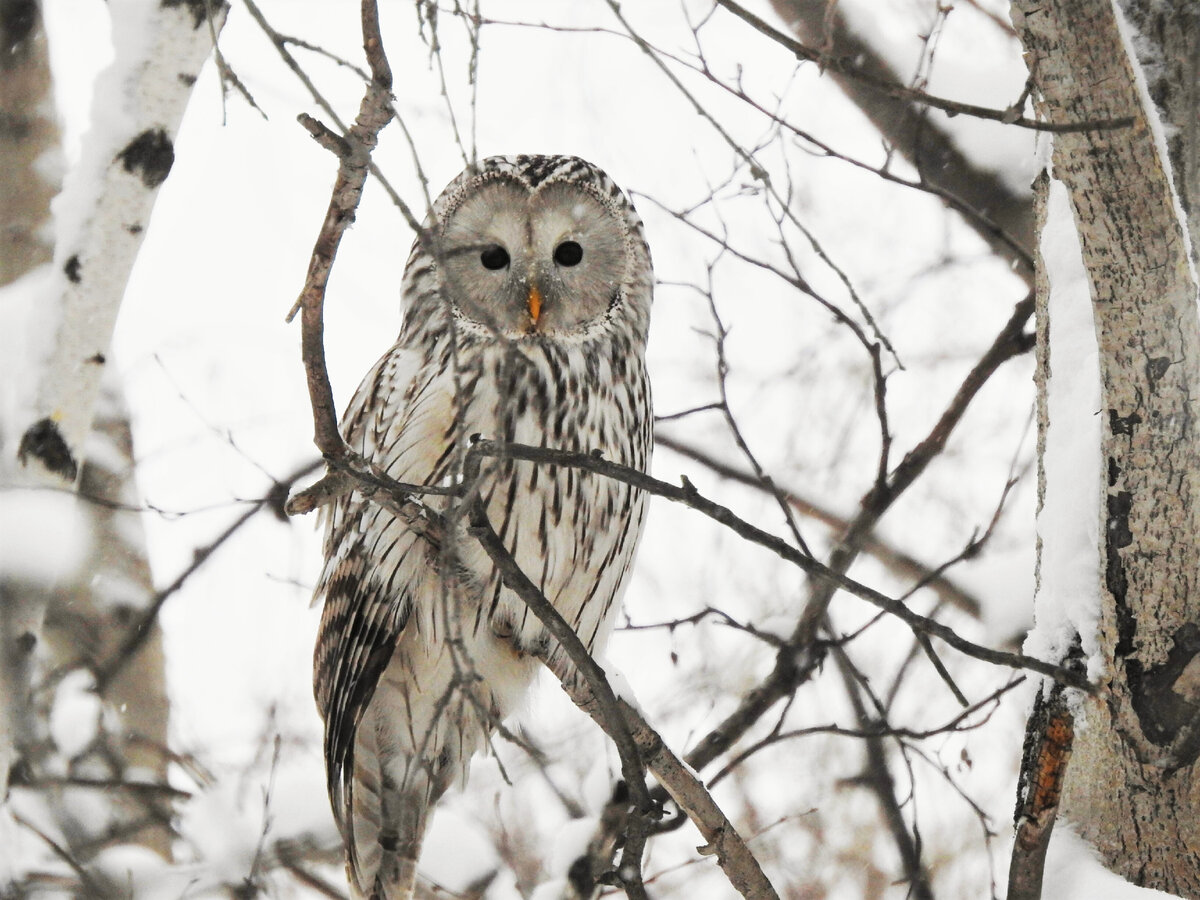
x=526 y=305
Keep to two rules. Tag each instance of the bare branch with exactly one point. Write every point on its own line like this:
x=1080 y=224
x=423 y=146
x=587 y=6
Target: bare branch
x=1049 y=737
x=593 y=694
x=603 y=705
x=375 y=111
x=1008 y=116
x=899 y=562
x=967 y=187
x=878 y=777
x=795 y=665
x=330 y=140
x=964 y=721
x=689 y=496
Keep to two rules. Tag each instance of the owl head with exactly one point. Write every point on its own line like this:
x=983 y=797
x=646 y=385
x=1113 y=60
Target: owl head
x=534 y=247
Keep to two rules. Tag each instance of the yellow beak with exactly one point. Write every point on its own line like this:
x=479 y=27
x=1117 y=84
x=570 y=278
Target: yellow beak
x=535 y=304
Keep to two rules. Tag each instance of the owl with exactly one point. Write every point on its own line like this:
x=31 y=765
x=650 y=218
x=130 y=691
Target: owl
x=526 y=305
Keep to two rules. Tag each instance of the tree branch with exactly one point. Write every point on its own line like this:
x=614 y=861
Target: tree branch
x=878 y=778
x=374 y=113
x=900 y=563
x=849 y=67
x=1049 y=738
x=587 y=681
x=622 y=723
x=690 y=497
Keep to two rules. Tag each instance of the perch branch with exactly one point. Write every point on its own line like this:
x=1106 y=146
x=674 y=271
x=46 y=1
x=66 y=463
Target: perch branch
x=690 y=497
x=622 y=723
x=586 y=679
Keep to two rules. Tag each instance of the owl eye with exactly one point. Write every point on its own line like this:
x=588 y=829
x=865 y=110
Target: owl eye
x=493 y=258
x=568 y=253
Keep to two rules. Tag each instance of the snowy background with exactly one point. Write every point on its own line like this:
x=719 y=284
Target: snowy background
x=213 y=380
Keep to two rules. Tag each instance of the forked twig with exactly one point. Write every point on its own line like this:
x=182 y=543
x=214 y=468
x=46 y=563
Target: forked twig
x=1010 y=116
x=374 y=113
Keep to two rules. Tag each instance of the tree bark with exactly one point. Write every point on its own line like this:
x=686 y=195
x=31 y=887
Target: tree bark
x=112 y=191
x=1132 y=788
x=1169 y=52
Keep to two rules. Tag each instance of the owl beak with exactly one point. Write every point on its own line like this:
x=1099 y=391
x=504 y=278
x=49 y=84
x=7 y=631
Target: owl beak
x=535 y=304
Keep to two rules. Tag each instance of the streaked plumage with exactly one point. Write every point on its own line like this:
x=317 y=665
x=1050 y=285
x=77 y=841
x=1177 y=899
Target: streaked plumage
x=512 y=333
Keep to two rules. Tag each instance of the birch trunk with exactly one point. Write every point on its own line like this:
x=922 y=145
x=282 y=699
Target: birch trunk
x=1131 y=787
x=75 y=620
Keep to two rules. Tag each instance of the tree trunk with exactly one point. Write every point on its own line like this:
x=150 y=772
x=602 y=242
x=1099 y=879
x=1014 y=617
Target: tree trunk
x=1131 y=788
x=87 y=621
x=29 y=131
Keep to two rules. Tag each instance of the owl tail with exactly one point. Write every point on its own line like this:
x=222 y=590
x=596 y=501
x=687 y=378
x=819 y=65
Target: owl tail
x=384 y=823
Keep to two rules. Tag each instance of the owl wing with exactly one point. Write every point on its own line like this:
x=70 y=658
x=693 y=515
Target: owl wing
x=399 y=420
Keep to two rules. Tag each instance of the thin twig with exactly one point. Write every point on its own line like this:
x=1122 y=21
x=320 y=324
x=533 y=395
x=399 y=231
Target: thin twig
x=86 y=879
x=374 y=112
x=878 y=778
x=140 y=631
x=958 y=723
x=1008 y=116
x=622 y=722
x=894 y=559
x=689 y=496
x=764 y=480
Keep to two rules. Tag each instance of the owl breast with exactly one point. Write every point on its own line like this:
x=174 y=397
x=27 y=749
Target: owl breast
x=572 y=532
